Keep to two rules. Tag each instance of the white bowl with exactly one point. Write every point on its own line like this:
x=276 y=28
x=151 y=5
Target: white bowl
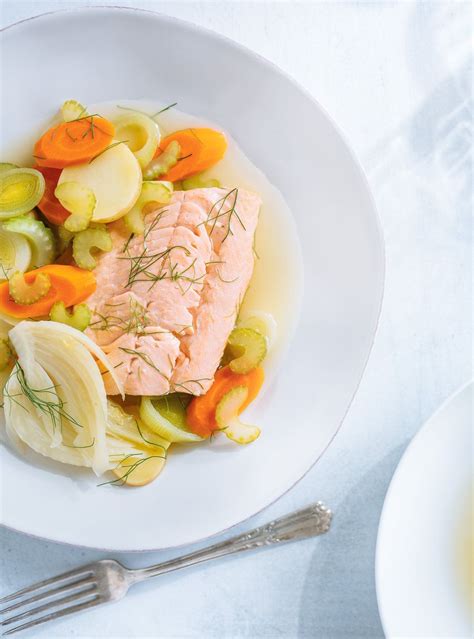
x=110 y=54
x=423 y=561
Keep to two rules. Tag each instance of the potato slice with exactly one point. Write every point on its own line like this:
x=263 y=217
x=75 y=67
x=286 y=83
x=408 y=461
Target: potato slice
x=115 y=178
x=137 y=471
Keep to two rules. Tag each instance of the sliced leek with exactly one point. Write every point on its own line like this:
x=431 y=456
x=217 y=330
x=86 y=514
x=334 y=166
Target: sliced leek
x=15 y=253
x=140 y=133
x=198 y=182
x=262 y=322
x=245 y=350
x=64 y=238
x=227 y=417
x=73 y=110
x=79 y=318
x=155 y=420
x=23 y=293
x=164 y=162
x=159 y=192
x=85 y=241
x=7 y=166
x=20 y=191
x=39 y=236
x=173 y=408
x=80 y=201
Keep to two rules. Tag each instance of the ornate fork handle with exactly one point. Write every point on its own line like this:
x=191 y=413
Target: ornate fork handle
x=309 y=522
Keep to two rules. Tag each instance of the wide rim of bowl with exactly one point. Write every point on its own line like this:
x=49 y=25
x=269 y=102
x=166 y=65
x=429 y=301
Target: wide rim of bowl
x=242 y=49
x=399 y=471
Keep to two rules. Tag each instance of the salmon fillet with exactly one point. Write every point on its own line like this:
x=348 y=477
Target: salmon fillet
x=166 y=301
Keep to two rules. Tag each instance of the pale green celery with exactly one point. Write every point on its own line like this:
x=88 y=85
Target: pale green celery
x=23 y=293
x=79 y=318
x=39 y=236
x=85 y=241
x=164 y=162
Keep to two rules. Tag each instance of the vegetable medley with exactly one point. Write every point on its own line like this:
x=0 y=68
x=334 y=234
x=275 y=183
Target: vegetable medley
x=56 y=217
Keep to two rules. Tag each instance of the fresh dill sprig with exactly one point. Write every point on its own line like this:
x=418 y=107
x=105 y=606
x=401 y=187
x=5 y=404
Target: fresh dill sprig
x=254 y=246
x=45 y=400
x=191 y=381
x=148 y=441
x=70 y=135
x=120 y=481
x=127 y=243
x=107 y=149
x=153 y=116
x=145 y=357
x=87 y=446
x=170 y=106
x=226 y=281
x=216 y=213
x=140 y=264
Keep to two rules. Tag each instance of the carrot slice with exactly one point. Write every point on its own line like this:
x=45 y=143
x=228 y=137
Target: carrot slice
x=74 y=142
x=200 y=149
x=69 y=284
x=201 y=411
x=50 y=206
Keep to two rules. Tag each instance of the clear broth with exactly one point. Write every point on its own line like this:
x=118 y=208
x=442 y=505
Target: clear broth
x=277 y=282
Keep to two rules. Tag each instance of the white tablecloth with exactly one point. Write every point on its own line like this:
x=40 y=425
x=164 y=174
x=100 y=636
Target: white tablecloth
x=396 y=78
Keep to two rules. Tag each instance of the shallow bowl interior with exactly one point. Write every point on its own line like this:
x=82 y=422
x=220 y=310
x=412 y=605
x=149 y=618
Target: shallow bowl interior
x=112 y=54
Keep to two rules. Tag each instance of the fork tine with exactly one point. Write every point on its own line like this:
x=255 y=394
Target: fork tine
x=46 y=594
x=47 y=582
x=51 y=604
x=56 y=615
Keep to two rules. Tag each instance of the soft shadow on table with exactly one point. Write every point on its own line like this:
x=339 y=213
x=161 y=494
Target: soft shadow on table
x=337 y=572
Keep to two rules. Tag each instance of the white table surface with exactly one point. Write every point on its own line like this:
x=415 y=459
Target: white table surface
x=396 y=77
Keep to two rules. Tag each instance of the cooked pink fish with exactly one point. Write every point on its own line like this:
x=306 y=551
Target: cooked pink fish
x=166 y=301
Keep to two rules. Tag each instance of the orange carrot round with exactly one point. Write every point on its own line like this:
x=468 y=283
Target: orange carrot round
x=201 y=411
x=69 y=284
x=200 y=149
x=73 y=142
x=49 y=205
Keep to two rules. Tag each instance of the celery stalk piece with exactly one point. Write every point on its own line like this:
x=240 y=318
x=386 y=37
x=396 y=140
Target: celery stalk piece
x=245 y=350
x=227 y=417
x=164 y=162
x=73 y=110
x=152 y=192
x=20 y=191
x=85 y=241
x=39 y=236
x=79 y=318
x=64 y=238
x=80 y=201
x=23 y=293
x=140 y=133
x=198 y=182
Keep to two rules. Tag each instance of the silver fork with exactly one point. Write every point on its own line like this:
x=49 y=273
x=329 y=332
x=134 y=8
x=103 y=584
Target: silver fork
x=107 y=580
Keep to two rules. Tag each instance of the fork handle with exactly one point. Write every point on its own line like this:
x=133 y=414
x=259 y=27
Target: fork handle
x=309 y=522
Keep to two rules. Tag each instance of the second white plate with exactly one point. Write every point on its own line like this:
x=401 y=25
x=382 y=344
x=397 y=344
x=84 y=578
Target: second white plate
x=425 y=548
